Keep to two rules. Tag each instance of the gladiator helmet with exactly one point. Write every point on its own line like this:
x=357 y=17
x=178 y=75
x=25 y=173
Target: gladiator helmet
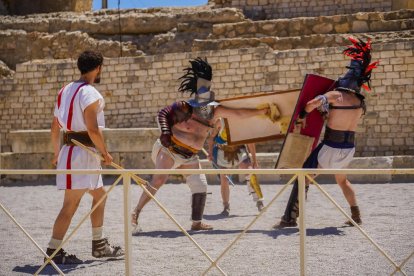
x=197 y=81
x=360 y=68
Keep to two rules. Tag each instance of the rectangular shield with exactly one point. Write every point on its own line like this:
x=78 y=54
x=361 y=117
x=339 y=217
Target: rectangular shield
x=289 y=156
x=260 y=128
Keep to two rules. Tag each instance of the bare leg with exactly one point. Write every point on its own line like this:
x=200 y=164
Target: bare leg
x=347 y=189
x=225 y=189
x=70 y=205
x=247 y=165
x=349 y=194
x=164 y=161
x=97 y=216
x=225 y=194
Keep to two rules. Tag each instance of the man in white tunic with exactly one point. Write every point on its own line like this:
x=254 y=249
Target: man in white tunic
x=79 y=112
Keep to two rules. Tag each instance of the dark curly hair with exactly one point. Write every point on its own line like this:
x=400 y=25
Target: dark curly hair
x=88 y=61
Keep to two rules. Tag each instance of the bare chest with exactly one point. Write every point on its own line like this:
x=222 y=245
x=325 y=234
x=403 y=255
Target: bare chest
x=192 y=126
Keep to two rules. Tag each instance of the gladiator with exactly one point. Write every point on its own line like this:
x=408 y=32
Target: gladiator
x=342 y=107
x=185 y=126
x=79 y=113
x=225 y=156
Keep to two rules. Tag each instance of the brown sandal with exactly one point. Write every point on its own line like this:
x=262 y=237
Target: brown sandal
x=201 y=226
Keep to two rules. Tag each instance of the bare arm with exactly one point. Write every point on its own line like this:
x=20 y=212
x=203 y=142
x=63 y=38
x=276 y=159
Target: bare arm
x=55 y=131
x=252 y=150
x=90 y=116
x=241 y=113
x=330 y=97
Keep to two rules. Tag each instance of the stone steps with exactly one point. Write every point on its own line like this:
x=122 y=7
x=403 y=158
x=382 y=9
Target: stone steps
x=337 y=24
x=131 y=148
x=143 y=31
x=159 y=31
x=133 y=21
x=299 y=42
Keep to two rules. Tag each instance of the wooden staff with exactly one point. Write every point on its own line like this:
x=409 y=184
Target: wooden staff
x=145 y=184
x=136 y=178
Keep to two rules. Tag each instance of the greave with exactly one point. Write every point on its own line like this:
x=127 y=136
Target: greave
x=197 y=206
x=292 y=208
x=250 y=189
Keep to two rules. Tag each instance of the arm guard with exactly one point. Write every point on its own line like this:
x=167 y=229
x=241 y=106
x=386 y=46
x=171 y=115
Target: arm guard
x=167 y=117
x=324 y=106
x=303 y=114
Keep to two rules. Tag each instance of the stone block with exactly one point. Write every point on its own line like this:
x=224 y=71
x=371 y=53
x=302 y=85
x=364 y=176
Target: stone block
x=323 y=28
x=360 y=27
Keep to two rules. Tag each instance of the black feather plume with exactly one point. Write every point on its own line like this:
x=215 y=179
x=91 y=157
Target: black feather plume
x=199 y=69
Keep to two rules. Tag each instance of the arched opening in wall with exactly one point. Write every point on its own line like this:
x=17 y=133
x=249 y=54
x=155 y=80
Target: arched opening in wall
x=140 y=4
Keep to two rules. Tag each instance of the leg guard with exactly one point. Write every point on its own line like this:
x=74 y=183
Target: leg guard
x=250 y=189
x=254 y=183
x=197 y=206
x=292 y=208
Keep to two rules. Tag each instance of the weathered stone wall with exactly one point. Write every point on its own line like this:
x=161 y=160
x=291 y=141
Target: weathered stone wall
x=18 y=46
x=269 y=9
x=368 y=22
x=66 y=34
x=168 y=30
x=136 y=88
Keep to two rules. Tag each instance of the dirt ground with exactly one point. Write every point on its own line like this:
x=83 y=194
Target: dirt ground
x=161 y=249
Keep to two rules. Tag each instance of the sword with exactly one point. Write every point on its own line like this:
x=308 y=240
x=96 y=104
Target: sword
x=226 y=175
x=216 y=167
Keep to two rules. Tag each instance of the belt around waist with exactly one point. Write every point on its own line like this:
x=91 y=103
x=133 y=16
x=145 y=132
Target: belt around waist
x=81 y=136
x=228 y=148
x=339 y=136
x=178 y=147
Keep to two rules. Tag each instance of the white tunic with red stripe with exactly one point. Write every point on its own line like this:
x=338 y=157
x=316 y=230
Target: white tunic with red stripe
x=71 y=103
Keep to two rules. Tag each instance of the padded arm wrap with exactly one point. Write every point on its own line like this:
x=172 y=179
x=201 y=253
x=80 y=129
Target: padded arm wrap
x=165 y=119
x=176 y=113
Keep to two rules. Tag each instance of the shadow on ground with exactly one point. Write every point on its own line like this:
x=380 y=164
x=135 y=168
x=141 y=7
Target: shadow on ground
x=50 y=270
x=327 y=231
x=221 y=216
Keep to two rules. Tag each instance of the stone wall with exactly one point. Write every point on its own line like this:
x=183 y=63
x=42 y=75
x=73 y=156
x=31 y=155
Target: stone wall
x=18 y=46
x=368 y=22
x=269 y=9
x=136 y=88
x=66 y=34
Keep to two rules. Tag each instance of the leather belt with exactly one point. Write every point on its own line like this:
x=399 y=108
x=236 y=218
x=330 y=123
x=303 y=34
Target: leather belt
x=180 y=148
x=81 y=136
x=228 y=148
x=339 y=136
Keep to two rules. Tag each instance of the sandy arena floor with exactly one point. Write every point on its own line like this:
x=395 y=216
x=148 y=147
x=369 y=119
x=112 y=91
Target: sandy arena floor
x=161 y=249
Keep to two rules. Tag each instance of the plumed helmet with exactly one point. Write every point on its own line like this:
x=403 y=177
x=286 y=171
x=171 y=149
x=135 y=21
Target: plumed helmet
x=197 y=81
x=360 y=68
